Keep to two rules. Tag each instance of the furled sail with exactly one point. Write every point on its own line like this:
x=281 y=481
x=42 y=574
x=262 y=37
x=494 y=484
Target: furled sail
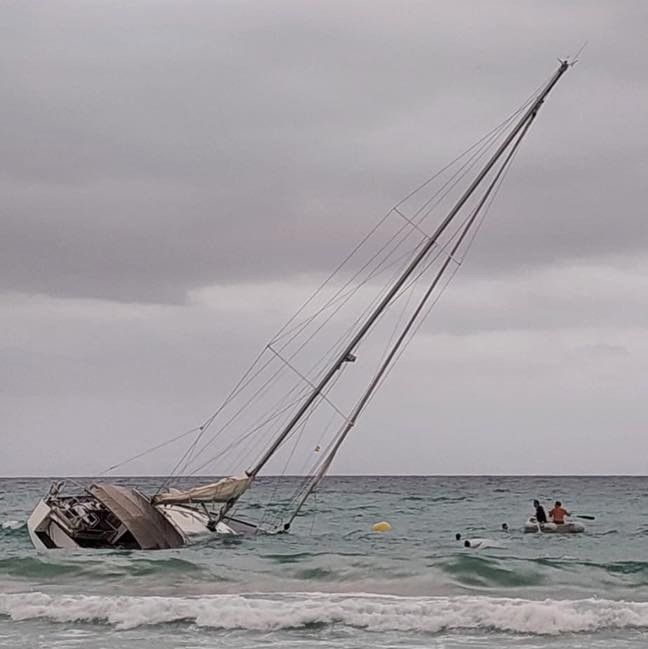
x=222 y=491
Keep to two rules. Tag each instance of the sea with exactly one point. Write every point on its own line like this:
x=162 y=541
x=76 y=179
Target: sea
x=333 y=582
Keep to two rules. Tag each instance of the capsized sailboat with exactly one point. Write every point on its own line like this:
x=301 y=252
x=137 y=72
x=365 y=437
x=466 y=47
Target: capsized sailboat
x=292 y=410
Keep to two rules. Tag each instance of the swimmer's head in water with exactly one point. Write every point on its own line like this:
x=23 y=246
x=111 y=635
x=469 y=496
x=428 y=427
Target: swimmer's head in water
x=466 y=543
x=505 y=526
x=458 y=536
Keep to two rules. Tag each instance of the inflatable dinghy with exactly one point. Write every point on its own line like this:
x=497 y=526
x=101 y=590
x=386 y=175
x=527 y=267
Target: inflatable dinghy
x=569 y=527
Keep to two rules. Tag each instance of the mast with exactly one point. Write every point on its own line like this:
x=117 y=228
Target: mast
x=346 y=354
x=397 y=344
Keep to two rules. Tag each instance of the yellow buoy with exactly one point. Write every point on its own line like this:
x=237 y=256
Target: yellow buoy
x=383 y=526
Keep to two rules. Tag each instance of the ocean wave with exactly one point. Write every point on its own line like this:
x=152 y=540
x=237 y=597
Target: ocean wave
x=12 y=531
x=106 y=566
x=298 y=557
x=264 y=613
x=447 y=499
x=481 y=571
x=627 y=567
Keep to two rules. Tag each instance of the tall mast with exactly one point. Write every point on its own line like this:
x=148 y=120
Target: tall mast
x=348 y=425
x=345 y=354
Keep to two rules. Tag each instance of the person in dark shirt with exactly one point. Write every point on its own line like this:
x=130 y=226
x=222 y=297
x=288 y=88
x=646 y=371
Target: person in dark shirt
x=540 y=513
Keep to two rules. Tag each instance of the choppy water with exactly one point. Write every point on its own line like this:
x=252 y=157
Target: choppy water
x=334 y=583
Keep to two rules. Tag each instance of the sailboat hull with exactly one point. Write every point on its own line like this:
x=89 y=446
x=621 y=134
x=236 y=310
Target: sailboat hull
x=102 y=516
x=108 y=516
x=192 y=522
x=46 y=532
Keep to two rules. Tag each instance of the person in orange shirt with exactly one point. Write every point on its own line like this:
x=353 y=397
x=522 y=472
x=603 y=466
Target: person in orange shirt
x=558 y=513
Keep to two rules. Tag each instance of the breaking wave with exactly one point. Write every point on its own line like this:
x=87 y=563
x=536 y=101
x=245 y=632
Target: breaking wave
x=264 y=613
x=450 y=574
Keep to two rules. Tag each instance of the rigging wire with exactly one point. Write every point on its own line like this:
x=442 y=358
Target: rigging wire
x=187 y=457
x=150 y=450
x=415 y=191
x=487 y=142
x=326 y=358
x=486 y=201
x=500 y=180
x=456 y=178
x=310 y=482
x=460 y=174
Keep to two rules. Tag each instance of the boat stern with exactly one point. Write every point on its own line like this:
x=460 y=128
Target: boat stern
x=45 y=533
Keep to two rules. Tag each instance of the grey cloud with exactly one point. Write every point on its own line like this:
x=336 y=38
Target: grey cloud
x=149 y=150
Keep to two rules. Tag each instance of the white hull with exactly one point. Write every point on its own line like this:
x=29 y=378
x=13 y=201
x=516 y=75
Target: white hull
x=191 y=522
x=99 y=520
x=42 y=525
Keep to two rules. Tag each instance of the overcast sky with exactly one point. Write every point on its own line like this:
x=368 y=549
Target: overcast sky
x=177 y=175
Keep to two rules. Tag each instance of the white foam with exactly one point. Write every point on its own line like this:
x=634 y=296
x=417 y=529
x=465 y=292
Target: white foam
x=372 y=612
x=11 y=525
